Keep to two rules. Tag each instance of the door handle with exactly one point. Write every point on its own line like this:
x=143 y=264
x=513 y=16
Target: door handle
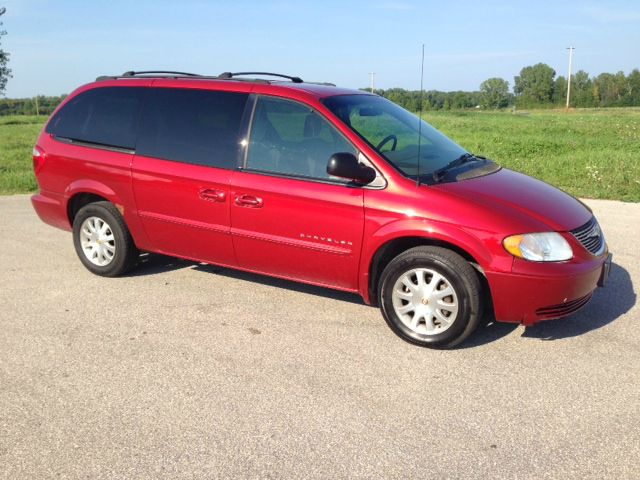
x=250 y=201
x=212 y=195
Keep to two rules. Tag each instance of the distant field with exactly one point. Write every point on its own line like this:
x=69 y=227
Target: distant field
x=588 y=153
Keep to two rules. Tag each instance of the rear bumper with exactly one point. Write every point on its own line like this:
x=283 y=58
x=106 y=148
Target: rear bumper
x=530 y=298
x=51 y=208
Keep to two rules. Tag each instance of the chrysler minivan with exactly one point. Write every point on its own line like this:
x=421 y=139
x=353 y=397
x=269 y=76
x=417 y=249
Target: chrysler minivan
x=318 y=184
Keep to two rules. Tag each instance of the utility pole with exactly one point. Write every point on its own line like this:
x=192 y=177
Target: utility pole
x=571 y=49
x=37 y=109
x=373 y=81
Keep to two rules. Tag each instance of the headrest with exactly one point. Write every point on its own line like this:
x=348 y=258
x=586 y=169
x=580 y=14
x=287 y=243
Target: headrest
x=312 y=125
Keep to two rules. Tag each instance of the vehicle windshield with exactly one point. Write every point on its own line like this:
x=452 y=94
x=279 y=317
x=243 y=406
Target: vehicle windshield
x=393 y=132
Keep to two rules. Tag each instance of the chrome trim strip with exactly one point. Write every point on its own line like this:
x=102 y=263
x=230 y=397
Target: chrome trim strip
x=185 y=223
x=292 y=242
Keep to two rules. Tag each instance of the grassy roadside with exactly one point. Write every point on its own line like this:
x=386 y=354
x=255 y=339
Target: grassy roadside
x=589 y=153
x=18 y=135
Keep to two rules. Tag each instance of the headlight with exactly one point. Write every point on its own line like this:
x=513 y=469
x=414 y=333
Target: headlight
x=539 y=247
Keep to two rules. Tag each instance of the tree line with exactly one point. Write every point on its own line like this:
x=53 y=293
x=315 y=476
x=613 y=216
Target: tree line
x=40 y=105
x=535 y=87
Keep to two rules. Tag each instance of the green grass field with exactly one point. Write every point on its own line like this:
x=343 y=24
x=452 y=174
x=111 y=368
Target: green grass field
x=588 y=153
x=17 y=137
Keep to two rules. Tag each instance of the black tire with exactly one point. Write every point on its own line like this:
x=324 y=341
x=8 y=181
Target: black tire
x=457 y=273
x=125 y=255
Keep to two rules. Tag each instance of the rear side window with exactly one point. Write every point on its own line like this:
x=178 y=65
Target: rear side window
x=105 y=116
x=192 y=126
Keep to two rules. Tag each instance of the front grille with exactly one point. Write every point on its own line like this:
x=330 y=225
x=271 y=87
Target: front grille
x=563 y=309
x=590 y=236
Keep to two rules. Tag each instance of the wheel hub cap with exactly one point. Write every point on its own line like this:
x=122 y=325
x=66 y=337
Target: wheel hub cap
x=97 y=241
x=425 y=301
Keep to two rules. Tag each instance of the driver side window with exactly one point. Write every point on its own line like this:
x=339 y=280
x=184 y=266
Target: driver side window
x=290 y=138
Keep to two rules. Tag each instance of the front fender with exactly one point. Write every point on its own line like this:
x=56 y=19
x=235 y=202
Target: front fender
x=484 y=247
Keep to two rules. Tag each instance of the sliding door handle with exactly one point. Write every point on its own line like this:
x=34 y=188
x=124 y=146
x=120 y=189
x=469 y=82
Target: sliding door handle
x=212 y=195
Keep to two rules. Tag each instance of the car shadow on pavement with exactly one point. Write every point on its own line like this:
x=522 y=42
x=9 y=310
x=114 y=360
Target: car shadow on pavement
x=488 y=331
x=281 y=283
x=153 y=264
x=607 y=305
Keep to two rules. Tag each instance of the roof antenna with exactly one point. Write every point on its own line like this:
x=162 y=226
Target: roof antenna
x=420 y=117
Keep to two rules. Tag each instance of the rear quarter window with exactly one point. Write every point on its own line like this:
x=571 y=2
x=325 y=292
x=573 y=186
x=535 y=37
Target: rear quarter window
x=104 y=116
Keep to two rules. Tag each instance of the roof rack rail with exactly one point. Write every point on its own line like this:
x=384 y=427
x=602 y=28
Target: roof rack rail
x=230 y=75
x=148 y=73
x=324 y=84
x=131 y=73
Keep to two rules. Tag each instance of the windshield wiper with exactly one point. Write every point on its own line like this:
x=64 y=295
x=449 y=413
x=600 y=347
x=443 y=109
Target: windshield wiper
x=438 y=175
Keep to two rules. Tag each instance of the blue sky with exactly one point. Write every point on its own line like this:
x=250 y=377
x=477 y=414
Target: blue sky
x=56 y=46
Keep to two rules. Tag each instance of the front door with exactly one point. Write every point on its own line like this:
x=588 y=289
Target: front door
x=288 y=216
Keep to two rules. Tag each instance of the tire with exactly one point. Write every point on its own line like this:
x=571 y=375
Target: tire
x=103 y=241
x=431 y=297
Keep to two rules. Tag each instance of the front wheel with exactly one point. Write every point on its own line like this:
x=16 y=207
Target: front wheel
x=102 y=240
x=430 y=296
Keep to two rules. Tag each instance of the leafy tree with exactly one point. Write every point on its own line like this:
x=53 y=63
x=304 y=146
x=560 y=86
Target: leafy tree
x=494 y=93
x=633 y=80
x=581 y=89
x=624 y=90
x=534 y=85
x=560 y=91
x=5 y=72
x=611 y=90
x=462 y=100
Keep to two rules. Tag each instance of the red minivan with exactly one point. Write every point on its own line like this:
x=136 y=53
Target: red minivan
x=318 y=184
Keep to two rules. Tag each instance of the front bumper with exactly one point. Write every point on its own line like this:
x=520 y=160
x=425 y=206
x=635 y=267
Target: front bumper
x=535 y=292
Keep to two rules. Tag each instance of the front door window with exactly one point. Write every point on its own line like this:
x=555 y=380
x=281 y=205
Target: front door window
x=292 y=139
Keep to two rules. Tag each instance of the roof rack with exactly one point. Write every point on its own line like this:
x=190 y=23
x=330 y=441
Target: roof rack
x=229 y=75
x=149 y=73
x=195 y=76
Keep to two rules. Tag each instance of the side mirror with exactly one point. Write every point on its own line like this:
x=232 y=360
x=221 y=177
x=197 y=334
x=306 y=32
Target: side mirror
x=346 y=165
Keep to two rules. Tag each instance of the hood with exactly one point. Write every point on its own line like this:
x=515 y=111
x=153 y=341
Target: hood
x=516 y=195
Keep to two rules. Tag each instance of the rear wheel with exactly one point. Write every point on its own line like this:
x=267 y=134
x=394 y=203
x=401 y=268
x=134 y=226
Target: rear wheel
x=430 y=296
x=102 y=240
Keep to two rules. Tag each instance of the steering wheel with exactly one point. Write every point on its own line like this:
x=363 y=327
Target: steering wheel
x=386 y=140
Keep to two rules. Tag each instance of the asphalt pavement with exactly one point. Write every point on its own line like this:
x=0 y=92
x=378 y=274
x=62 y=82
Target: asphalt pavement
x=182 y=370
